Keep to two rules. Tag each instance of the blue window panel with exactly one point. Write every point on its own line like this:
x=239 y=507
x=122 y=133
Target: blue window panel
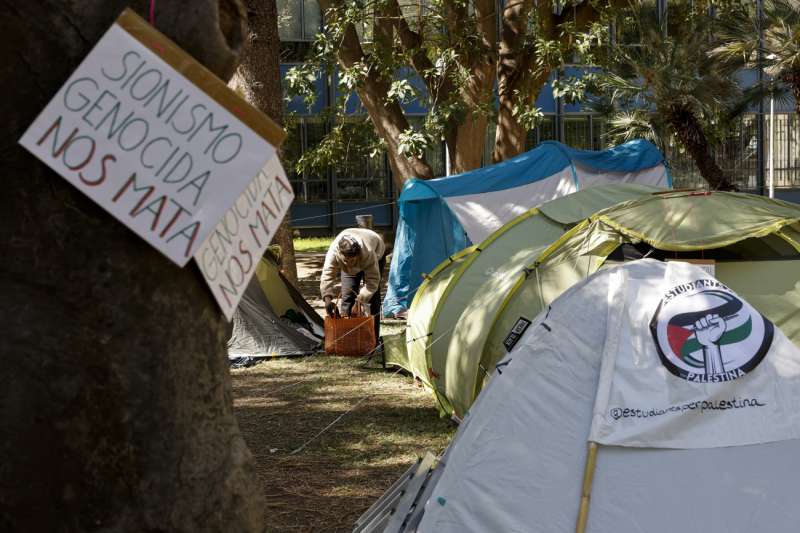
x=578 y=73
x=296 y=104
x=381 y=214
x=788 y=195
x=545 y=101
x=786 y=106
x=354 y=106
x=416 y=106
x=310 y=215
x=747 y=77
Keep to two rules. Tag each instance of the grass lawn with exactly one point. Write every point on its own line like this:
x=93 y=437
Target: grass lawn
x=312 y=244
x=283 y=404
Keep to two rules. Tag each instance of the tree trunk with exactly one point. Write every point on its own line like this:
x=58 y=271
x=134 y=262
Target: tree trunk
x=515 y=69
x=470 y=141
x=510 y=135
x=466 y=138
x=260 y=78
x=115 y=397
x=387 y=117
x=691 y=135
x=389 y=122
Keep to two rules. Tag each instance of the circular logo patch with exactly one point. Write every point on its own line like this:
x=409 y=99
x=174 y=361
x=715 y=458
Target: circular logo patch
x=705 y=333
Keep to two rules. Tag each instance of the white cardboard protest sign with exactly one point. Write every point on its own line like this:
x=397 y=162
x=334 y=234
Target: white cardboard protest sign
x=154 y=138
x=228 y=258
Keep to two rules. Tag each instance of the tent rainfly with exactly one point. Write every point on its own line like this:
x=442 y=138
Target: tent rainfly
x=273 y=319
x=648 y=398
x=458 y=299
x=463 y=314
x=440 y=217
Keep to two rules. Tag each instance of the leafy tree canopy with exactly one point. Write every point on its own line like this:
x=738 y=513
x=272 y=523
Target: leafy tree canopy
x=471 y=65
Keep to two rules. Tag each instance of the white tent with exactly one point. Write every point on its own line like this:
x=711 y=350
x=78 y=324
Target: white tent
x=647 y=399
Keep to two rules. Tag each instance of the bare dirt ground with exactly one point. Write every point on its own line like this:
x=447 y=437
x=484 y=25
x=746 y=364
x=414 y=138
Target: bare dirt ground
x=315 y=479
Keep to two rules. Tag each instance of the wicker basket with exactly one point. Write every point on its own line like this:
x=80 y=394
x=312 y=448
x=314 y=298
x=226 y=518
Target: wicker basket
x=353 y=336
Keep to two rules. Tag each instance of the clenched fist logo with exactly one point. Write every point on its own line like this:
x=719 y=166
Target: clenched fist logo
x=708 y=330
x=697 y=321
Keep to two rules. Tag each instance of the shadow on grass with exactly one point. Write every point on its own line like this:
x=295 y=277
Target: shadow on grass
x=309 y=265
x=386 y=422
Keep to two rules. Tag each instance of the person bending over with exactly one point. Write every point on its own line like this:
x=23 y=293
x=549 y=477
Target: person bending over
x=358 y=255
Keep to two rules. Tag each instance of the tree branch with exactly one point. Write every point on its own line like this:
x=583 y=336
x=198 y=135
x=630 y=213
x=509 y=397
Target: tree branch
x=517 y=72
x=454 y=15
x=512 y=33
x=387 y=116
x=486 y=13
x=411 y=42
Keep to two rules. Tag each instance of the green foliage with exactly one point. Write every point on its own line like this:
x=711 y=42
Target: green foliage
x=312 y=244
x=571 y=89
x=739 y=47
x=527 y=114
x=663 y=65
x=348 y=144
x=350 y=78
x=413 y=143
x=451 y=43
x=782 y=37
x=591 y=45
x=402 y=91
x=635 y=124
x=300 y=82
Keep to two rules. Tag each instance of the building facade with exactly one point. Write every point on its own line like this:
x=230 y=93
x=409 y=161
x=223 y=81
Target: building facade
x=327 y=201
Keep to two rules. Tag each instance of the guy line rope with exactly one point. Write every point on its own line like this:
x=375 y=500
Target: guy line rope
x=362 y=400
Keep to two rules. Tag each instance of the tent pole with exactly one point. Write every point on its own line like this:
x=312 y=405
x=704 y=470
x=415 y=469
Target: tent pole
x=586 y=491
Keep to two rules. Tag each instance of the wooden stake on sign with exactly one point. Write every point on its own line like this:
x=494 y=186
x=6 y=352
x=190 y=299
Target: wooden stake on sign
x=586 y=490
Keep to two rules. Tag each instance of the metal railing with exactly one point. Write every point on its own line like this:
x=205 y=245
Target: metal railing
x=737 y=155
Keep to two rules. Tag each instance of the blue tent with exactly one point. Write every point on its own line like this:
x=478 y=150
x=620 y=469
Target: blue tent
x=442 y=216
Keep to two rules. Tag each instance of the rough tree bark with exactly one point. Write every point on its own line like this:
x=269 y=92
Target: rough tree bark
x=259 y=78
x=512 y=67
x=515 y=70
x=387 y=118
x=467 y=137
x=115 y=398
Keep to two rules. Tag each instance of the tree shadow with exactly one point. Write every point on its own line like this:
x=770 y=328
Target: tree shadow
x=353 y=432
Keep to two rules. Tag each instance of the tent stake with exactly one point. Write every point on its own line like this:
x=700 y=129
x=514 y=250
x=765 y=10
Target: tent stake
x=586 y=492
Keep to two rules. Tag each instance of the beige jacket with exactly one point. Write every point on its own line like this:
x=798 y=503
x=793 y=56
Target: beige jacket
x=372 y=250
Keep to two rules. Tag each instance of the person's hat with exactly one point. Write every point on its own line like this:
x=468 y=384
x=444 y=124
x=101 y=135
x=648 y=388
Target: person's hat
x=349 y=247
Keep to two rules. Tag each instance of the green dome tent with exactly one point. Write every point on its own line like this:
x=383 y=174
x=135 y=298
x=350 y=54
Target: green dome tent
x=453 y=309
x=457 y=337
x=273 y=319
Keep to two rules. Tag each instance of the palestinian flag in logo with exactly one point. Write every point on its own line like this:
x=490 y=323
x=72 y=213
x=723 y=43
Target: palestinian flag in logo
x=709 y=334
